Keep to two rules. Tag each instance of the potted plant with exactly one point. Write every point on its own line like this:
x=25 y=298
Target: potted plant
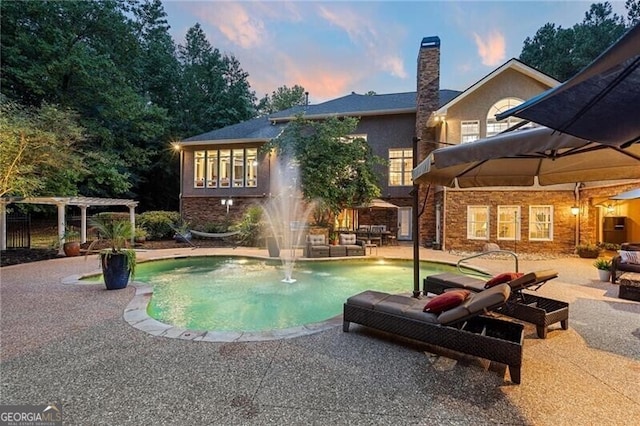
x=140 y=235
x=333 y=238
x=604 y=268
x=71 y=245
x=588 y=251
x=117 y=261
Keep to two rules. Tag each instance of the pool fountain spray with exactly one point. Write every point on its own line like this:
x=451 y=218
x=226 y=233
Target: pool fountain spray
x=287 y=213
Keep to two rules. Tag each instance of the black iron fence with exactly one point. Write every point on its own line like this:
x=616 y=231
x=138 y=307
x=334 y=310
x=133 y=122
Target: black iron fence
x=18 y=230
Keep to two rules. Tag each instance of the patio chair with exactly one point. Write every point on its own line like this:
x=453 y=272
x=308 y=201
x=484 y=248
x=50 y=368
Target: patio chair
x=461 y=328
x=534 y=309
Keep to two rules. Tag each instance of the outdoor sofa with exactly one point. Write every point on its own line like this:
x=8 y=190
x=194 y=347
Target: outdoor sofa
x=627 y=260
x=353 y=246
x=537 y=310
x=461 y=328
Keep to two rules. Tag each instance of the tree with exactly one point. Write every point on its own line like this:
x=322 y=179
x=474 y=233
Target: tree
x=633 y=12
x=38 y=150
x=561 y=52
x=214 y=90
x=282 y=98
x=334 y=167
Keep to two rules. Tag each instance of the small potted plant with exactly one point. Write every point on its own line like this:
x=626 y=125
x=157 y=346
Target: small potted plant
x=588 y=251
x=333 y=238
x=118 y=262
x=604 y=268
x=71 y=244
x=140 y=235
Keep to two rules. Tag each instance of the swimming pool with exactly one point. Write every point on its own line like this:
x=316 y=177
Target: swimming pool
x=242 y=294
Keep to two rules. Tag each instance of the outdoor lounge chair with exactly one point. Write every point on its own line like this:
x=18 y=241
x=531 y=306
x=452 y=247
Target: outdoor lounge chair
x=524 y=306
x=462 y=328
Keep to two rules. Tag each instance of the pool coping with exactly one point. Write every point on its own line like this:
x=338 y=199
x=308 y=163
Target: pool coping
x=135 y=313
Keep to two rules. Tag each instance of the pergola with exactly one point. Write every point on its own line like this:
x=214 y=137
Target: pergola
x=83 y=202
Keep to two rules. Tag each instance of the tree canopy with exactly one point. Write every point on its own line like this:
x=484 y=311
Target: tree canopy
x=282 y=98
x=335 y=167
x=562 y=52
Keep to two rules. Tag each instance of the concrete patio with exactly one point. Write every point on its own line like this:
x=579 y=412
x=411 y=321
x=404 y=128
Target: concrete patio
x=70 y=344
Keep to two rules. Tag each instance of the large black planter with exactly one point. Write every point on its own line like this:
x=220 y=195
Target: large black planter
x=115 y=270
x=272 y=246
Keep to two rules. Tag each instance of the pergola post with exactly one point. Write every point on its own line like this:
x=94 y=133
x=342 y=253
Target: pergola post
x=132 y=218
x=3 y=225
x=61 y=226
x=83 y=224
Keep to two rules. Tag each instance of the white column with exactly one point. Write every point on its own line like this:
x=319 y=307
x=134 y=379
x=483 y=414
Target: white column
x=132 y=219
x=61 y=225
x=83 y=224
x=3 y=225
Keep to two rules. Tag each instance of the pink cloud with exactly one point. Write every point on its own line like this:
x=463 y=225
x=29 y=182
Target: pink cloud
x=233 y=20
x=492 y=48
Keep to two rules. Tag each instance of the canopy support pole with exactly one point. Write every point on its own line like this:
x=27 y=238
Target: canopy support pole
x=415 y=225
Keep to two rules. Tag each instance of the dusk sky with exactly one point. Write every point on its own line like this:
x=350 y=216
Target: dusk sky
x=336 y=47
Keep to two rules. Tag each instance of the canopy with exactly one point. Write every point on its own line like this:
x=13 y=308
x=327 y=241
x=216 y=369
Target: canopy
x=600 y=103
x=517 y=158
x=628 y=195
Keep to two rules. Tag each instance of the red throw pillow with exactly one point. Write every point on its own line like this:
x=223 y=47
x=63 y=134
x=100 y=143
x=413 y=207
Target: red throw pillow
x=503 y=278
x=445 y=301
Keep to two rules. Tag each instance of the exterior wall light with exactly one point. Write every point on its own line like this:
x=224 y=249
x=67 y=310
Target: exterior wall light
x=575 y=210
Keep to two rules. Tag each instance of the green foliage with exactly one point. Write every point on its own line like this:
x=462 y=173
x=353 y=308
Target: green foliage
x=250 y=227
x=116 y=233
x=602 y=264
x=588 y=250
x=159 y=224
x=282 y=98
x=37 y=150
x=334 y=167
x=562 y=52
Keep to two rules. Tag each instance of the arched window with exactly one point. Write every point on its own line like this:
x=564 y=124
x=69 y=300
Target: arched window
x=494 y=126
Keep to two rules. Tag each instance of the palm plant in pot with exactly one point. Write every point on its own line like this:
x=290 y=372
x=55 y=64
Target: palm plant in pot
x=118 y=262
x=604 y=268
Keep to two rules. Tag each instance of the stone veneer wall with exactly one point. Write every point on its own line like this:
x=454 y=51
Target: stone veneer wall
x=202 y=211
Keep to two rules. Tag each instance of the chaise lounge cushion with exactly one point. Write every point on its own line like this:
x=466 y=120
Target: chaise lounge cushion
x=503 y=278
x=446 y=301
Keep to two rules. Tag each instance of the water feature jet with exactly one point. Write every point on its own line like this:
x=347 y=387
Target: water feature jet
x=287 y=214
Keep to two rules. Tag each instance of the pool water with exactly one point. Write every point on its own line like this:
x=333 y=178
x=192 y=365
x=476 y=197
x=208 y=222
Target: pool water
x=246 y=294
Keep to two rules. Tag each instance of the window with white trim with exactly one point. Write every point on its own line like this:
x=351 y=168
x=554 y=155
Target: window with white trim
x=225 y=167
x=469 y=131
x=509 y=223
x=541 y=223
x=494 y=126
x=478 y=222
x=400 y=166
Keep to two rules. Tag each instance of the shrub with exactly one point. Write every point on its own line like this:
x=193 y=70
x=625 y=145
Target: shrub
x=159 y=224
x=602 y=264
x=589 y=251
x=250 y=227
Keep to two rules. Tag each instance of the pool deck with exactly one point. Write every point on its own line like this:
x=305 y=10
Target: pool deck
x=71 y=344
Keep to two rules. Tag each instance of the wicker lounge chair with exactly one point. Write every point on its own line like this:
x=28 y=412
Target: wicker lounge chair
x=462 y=329
x=524 y=306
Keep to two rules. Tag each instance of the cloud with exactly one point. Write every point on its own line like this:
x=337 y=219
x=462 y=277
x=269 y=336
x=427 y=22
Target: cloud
x=492 y=48
x=234 y=21
x=363 y=33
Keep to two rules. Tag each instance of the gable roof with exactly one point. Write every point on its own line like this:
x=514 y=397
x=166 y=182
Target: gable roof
x=262 y=129
x=511 y=64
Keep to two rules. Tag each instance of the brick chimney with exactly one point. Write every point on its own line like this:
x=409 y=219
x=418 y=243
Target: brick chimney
x=428 y=96
x=427 y=101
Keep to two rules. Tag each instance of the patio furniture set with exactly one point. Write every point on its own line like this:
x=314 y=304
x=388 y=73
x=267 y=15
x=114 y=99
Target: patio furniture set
x=466 y=321
x=376 y=234
x=348 y=245
x=625 y=271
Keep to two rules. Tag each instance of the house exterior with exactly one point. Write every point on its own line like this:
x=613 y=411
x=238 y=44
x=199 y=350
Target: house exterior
x=225 y=171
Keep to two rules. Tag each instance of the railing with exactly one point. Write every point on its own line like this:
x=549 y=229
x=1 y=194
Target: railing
x=459 y=264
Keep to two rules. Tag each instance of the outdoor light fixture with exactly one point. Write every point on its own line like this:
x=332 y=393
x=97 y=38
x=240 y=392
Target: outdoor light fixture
x=610 y=209
x=575 y=210
x=227 y=202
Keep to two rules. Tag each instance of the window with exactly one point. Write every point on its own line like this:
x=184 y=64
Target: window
x=469 y=131
x=509 y=223
x=400 y=166
x=494 y=126
x=198 y=169
x=540 y=223
x=224 y=168
x=478 y=222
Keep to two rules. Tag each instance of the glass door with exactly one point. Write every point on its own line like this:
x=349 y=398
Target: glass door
x=404 y=224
